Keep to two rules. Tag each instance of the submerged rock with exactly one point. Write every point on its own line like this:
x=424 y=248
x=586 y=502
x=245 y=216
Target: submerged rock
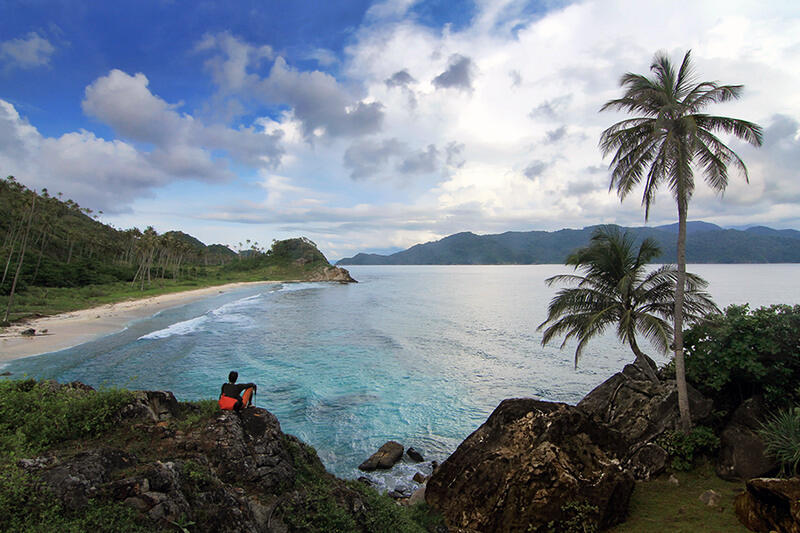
x=526 y=465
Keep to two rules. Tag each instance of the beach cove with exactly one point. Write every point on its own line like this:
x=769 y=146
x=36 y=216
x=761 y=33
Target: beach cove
x=65 y=330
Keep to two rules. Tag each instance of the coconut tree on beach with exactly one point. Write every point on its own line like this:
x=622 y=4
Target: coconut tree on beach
x=667 y=141
x=617 y=290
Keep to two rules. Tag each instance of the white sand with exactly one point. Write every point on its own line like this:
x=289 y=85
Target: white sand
x=70 y=329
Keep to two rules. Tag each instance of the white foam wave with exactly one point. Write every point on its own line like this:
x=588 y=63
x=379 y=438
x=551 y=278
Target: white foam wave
x=180 y=328
x=229 y=313
x=292 y=287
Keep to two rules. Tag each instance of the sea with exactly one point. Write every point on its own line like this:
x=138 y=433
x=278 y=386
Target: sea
x=416 y=354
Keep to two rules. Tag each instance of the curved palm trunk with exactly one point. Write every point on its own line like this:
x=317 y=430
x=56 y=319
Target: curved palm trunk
x=642 y=362
x=680 y=365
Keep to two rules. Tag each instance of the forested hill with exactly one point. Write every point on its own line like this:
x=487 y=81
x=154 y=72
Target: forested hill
x=706 y=243
x=49 y=242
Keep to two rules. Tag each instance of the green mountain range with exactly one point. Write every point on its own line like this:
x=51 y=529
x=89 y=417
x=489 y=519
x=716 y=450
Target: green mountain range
x=706 y=243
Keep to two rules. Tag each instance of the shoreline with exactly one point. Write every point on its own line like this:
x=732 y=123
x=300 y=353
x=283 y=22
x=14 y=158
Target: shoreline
x=70 y=329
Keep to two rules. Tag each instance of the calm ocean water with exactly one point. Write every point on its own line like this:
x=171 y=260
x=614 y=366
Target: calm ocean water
x=417 y=354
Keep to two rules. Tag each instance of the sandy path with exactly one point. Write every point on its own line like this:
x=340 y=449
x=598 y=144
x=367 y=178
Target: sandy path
x=76 y=327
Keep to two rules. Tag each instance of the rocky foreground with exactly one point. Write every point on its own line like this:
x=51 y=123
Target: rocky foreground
x=532 y=466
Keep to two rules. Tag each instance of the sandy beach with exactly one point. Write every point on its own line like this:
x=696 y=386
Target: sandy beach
x=59 y=332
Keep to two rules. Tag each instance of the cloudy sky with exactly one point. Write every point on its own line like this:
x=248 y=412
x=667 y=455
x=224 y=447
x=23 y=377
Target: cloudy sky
x=372 y=126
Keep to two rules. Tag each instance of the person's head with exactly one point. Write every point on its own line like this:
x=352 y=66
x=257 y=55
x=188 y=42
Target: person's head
x=233 y=376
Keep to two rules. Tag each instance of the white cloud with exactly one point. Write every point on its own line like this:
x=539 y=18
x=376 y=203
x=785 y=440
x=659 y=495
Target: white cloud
x=26 y=53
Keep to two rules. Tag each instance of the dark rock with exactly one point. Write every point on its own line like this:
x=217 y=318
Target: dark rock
x=6 y=373
x=640 y=411
x=770 y=505
x=519 y=470
x=76 y=480
x=30 y=332
x=332 y=273
x=365 y=480
x=386 y=456
x=742 y=453
x=414 y=455
x=649 y=460
x=419 y=477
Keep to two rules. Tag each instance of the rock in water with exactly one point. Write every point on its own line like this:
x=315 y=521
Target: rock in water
x=526 y=465
x=742 y=454
x=414 y=455
x=386 y=456
x=770 y=505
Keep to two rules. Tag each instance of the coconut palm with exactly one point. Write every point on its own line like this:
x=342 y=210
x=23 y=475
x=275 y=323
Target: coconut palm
x=617 y=290
x=665 y=144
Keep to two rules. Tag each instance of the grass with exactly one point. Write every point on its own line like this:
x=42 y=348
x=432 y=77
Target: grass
x=658 y=505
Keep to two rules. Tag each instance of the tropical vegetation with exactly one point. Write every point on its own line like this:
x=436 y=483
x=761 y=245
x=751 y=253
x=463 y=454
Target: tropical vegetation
x=742 y=353
x=616 y=289
x=668 y=140
x=57 y=256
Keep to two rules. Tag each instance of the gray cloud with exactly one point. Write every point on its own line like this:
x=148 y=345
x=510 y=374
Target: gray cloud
x=400 y=79
x=555 y=135
x=458 y=75
x=368 y=158
x=551 y=109
x=535 y=169
x=455 y=154
x=516 y=78
x=422 y=162
x=317 y=99
x=26 y=53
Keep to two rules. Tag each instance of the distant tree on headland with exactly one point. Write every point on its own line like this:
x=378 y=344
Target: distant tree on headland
x=616 y=290
x=664 y=144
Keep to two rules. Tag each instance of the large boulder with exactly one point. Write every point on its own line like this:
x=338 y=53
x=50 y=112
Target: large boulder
x=641 y=410
x=770 y=505
x=527 y=466
x=386 y=456
x=742 y=453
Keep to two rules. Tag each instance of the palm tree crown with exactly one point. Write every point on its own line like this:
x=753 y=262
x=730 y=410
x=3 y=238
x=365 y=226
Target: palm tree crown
x=672 y=135
x=616 y=289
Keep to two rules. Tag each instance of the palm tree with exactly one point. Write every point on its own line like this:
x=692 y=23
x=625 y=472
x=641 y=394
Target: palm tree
x=668 y=140
x=617 y=290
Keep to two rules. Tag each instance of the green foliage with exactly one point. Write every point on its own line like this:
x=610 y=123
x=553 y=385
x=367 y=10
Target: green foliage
x=781 y=436
x=733 y=356
x=193 y=413
x=685 y=449
x=26 y=505
x=577 y=517
x=37 y=415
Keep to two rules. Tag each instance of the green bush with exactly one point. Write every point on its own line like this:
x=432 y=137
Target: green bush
x=781 y=436
x=37 y=415
x=685 y=448
x=734 y=356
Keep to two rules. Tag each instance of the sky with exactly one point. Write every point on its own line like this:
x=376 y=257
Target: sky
x=373 y=126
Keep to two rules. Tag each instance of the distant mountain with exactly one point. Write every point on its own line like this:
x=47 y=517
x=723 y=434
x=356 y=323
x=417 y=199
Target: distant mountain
x=705 y=243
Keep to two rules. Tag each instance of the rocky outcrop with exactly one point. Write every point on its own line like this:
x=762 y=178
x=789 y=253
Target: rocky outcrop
x=235 y=472
x=640 y=411
x=332 y=273
x=526 y=466
x=770 y=505
x=742 y=453
x=386 y=457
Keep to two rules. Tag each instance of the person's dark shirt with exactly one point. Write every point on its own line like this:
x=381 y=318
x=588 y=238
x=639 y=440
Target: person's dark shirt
x=234 y=390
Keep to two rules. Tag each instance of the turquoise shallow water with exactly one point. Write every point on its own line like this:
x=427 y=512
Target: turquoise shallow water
x=420 y=355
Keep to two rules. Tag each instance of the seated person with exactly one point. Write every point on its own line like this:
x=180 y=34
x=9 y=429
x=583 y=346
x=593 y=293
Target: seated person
x=235 y=396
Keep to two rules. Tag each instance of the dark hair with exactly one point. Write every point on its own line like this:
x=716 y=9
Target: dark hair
x=233 y=376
